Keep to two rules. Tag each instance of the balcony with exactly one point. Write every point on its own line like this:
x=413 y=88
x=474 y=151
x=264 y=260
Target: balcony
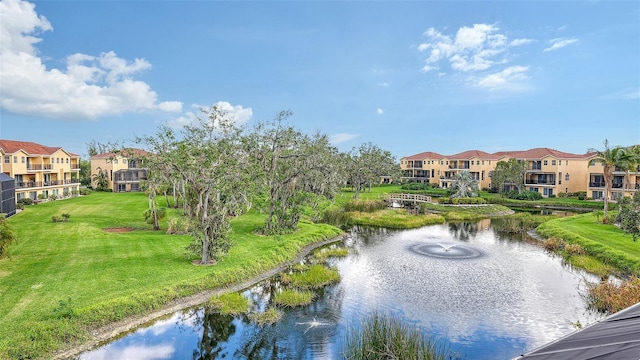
x=39 y=184
x=39 y=167
x=539 y=182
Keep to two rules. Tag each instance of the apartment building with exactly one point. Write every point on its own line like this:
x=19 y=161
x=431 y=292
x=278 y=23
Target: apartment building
x=123 y=169
x=548 y=171
x=40 y=171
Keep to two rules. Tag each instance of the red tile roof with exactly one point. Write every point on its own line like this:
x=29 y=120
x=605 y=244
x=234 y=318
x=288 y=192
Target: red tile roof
x=536 y=153
x=424 y=155
x=31 y=148
x=465 y=155
x=539 y=153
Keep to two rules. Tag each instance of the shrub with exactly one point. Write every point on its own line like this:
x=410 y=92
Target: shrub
x=607 y=297
x=316 y=277
x=55 y=219
x=417 y=186
x=229 y=304
x=178 y=225
x=53 y=197
x=574 y=249
x=25 y=201
x=292 y=298
x=365 y=205
x=553 y=244
x=384 y=336
x=268 y=317
x=66 y=194
x=86 y=191
x=525 y=195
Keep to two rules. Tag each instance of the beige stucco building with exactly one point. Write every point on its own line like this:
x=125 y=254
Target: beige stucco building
x=124 y=169
x=549 y=171
x=40 y=171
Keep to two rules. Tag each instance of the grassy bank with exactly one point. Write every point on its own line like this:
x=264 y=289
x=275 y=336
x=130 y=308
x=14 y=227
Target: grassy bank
x=65 y=279
x=606 y=243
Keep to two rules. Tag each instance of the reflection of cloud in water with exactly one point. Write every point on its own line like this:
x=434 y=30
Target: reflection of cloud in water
x=136 y=352
x=162 y=326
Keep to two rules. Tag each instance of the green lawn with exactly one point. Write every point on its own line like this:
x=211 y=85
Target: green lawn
x=607 y=243
x=93 y=277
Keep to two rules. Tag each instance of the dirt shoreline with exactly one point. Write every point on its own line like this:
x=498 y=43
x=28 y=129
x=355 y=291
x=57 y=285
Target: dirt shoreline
x=111 y=331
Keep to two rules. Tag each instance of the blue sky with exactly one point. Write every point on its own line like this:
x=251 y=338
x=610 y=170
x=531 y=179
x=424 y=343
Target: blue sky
x=408 y=76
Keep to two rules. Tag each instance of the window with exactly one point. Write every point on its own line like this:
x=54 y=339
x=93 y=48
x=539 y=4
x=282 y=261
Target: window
x=57 y=160
x=545 y=163
x=489 y=162
x=596 y=195
x=567 y=163
x=7 y=159
x=67 y=160
x=482 y=162
x=115 y=161
x=22 y=160
x=553 y=162
x=15 y=159
x=566 y=177
x=559 y=178
x=471 y=162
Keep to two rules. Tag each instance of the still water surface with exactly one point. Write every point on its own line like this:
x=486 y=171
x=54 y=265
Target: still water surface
x=489 y=296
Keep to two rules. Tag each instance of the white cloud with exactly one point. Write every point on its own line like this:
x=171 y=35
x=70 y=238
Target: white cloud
x=238 y=113
x=380 y=111
x=340 y=138
x=384 y=84
x=560 y=43
x=139 y=352
x=519 y=42
x=507 y=79
x=170 y=106
x=475 y=48
x=624 y=95
x=479 y=55
x=89 y=87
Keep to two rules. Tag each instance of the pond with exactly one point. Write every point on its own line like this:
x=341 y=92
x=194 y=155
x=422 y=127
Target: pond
x=488 y=296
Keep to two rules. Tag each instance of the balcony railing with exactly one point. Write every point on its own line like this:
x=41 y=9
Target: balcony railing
x=37 y=184
x=596 y=184
x=39 y=167
x=539 y=182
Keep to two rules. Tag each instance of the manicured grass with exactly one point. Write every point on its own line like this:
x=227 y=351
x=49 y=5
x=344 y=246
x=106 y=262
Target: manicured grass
x=606 y=243
x=104 y=277
x=546 y=202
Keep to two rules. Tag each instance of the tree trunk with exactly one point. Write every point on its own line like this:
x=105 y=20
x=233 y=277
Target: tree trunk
x=608 y=178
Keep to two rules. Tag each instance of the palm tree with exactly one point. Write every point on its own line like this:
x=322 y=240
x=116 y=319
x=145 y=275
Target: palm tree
x=610 y=158
x=465 y=185
x=101 y=179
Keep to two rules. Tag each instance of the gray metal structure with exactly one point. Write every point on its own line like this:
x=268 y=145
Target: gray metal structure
x=615 y=337
x=7 y=195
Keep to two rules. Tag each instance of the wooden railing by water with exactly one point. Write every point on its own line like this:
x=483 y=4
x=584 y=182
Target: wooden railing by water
x=408 y=198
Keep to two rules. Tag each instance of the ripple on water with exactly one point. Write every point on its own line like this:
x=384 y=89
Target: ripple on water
x=446 y=250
